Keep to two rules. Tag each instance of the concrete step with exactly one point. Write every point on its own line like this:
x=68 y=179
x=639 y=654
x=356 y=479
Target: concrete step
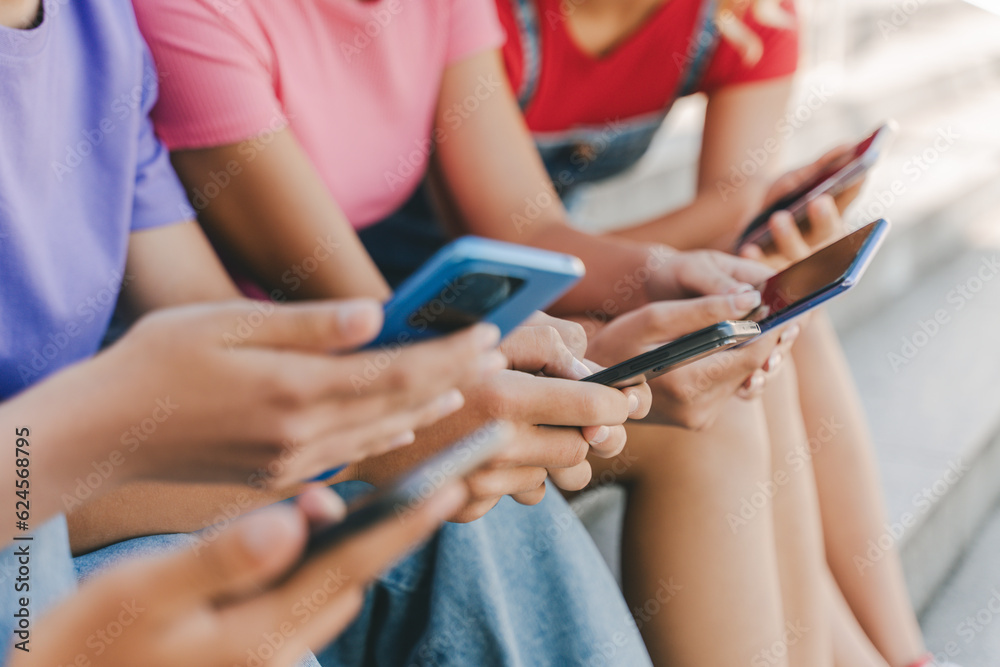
x=962 y=623
x=928 y=370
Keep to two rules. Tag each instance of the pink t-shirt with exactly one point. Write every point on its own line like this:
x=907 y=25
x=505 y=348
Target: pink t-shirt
x=357 y=82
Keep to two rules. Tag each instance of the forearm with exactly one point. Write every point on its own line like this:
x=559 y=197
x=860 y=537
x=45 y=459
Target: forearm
x=278 y=223
x=50 y=446
x=710 y=221
x=154 y=508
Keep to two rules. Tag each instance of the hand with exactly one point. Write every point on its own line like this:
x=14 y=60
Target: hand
x=790 y=245
x=239 y=595
x=701 y=272
x=262 y=394
x=798 y=177
x=547 y=414
x=692 y=396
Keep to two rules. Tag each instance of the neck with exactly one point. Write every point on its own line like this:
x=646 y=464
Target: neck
x=20 y=14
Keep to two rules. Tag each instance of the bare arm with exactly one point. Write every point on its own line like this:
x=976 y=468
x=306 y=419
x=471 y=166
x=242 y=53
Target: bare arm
x=741 y=123
x=274 y=215
x=499 y=188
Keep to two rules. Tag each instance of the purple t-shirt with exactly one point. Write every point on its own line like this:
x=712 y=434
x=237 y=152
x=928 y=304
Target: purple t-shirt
x=80 y=168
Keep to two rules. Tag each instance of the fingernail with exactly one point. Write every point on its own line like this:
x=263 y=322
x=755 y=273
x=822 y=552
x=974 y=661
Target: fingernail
x=633 y=403
x=740 y=288
x=773 y=361
x=746 y=301
x=357 y=313
x=789 y=334
x=403 y=439
x=260 y=532
x=580 y=369
x=450 y=402
x=601 y=435
x=487 y=335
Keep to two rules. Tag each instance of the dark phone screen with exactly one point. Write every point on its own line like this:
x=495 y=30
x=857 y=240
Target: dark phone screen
x=465 y=301
x=804 y=279
x=827 y=172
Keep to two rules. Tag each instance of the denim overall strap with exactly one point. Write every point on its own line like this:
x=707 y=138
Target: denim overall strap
x=585 y=153
x=706 y=40
x=531 y=46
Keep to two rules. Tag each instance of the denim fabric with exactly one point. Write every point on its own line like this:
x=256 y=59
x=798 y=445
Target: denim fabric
x=94 y=563
x=521 y=586
x=51 y=579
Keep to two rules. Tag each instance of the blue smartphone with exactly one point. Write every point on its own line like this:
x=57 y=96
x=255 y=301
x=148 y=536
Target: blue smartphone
x=473 y=280
x=818 y=278
x=476 y=280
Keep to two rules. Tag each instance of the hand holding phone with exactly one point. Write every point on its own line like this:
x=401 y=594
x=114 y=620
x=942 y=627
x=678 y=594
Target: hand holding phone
x=818 y=278
x=404 y=496
x=690 y=396
x=834 y=178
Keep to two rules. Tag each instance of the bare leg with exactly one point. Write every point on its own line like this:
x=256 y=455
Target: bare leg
x=798 y=531
x=852 y=507
x=851 y=647
x=703 y=592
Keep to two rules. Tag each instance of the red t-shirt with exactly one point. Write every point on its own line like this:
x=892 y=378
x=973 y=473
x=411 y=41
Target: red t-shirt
x=641 y=75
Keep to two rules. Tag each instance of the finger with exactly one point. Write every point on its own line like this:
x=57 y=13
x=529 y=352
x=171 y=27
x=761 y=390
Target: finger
x=558 y=402
x=474 y=510
x=742 y=270
x=752 y=387
x=848 y=195
x=321 y=327
x=531 y=497
x=321 y=506
x=418 y=371
x=487 y=484
x=825 y=223
x=609 y=441
x=253 y=552
x=640 y=400
x=572 y=479
x=662 y=321
x=752 y=252
x=342 y=572
x=361 y=558
x=541 y=349
x=546 y=447
x=573 y=334
x=340 y=446
x=787 y=237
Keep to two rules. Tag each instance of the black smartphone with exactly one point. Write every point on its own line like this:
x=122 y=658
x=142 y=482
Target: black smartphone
x=818 y=278
x=675 y=354
x=839 y=175
x=412 y=489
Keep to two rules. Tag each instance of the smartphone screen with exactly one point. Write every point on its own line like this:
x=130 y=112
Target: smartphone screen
x=828 y=271
x=840 y=173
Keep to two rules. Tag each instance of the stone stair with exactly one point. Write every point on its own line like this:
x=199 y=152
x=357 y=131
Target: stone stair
x=938 y=76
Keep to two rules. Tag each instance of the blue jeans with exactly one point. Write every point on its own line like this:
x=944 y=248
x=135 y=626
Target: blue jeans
x=51 y=580
x=521 y=586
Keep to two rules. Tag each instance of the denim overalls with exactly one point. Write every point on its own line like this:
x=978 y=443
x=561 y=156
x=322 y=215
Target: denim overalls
x=583 y=154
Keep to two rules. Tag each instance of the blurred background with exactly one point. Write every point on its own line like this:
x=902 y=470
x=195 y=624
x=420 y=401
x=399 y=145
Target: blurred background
x=923 y=329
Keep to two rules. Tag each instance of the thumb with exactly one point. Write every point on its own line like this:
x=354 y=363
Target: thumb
x=668 y=320
x=320 y=326
x=250 y=554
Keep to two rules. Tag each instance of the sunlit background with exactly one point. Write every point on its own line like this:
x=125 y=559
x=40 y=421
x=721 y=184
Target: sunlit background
x=931 y=389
